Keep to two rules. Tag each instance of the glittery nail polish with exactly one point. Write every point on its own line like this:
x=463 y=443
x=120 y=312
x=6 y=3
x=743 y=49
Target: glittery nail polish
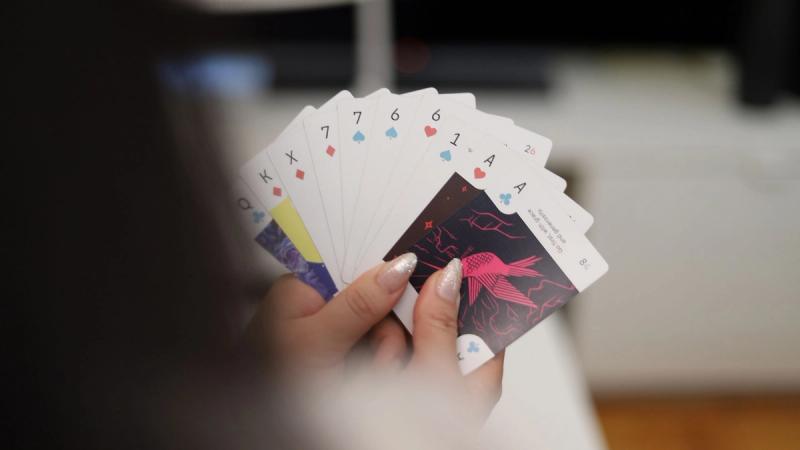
x=396 y=272
x=448 y=286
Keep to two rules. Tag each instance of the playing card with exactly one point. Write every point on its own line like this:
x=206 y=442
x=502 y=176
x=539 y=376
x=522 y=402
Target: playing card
x=392 y=116
x=260 y=226
x=291 y=159
x=431 y=113
x=354 y=121
x=322 y=133
x=535 y=146
x=287 y=161
x=374 y=177
x=453 y=151
x=521 y=261
x=423 y=128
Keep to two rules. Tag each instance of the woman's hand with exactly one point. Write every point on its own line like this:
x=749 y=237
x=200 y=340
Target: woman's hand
x=316 y=338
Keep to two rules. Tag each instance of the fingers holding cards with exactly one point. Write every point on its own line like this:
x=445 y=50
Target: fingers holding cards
x=364 y=180
x=392 y=116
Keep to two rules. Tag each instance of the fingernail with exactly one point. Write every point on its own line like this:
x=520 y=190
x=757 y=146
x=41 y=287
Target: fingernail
x=396 y=272
x=449 y=284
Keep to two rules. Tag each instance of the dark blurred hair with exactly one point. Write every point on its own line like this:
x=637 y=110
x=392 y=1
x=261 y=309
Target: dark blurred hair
x=122 y=289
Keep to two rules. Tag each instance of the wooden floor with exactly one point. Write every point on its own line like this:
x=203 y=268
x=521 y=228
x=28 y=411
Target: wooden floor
x=729 y=423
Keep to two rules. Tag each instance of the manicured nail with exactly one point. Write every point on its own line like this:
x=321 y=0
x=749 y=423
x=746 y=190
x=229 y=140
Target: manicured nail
x=396 y=272
x=449 y=284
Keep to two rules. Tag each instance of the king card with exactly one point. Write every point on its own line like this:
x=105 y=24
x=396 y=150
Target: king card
x=284 y=170
x=265 y=231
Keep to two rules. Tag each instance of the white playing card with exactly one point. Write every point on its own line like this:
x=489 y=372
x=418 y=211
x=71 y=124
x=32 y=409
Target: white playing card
x=462 y=98
x=322 y=132
x=521 y=260
x=432 y=111
x=262 y=179
x=487 y=165
x=452 y=148
x=364 y=179
x=533 y=145
x=354 y=119
x=253 y=217
x=289 y=158
x=392 y=116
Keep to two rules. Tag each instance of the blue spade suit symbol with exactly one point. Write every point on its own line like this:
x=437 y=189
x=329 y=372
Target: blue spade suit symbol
x=391 y=133
x=359 y=136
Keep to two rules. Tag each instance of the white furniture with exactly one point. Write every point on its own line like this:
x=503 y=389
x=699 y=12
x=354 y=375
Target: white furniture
x=697 y=208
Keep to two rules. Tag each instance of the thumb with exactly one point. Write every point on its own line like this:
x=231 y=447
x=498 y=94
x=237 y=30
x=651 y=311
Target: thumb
x=436 y=320
x=353 y=311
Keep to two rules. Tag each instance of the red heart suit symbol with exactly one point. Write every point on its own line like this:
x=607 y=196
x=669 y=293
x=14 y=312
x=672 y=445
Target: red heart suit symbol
x=479 y=173
x=429 y=130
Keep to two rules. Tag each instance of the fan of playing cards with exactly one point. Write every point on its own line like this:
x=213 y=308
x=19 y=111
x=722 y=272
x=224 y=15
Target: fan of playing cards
x=361 y=180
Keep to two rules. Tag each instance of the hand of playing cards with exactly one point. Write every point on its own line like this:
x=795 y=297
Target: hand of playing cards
x=362 y=180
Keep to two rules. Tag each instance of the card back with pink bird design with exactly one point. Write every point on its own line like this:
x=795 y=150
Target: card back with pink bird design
x=510 y=283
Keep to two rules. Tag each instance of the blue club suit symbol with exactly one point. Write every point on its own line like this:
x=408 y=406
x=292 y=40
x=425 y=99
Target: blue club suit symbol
x=258 y=216
x=473 y=347
x=505 y=198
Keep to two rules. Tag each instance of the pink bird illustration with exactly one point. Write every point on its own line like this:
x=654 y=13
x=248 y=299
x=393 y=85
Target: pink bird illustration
x=487 y=270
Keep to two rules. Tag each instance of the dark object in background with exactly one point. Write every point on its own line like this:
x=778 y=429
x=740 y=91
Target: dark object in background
x=477 y=43
x=306 y=47
x=769 y=51
x=678 y=23
x=474 y=43
x=507 y=44
x=511 y=66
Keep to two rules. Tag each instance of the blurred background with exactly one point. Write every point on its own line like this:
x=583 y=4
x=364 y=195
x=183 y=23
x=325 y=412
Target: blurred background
x=676 y=123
